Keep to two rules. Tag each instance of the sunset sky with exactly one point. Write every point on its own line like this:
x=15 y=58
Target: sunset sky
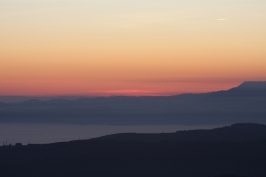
x=130 y=47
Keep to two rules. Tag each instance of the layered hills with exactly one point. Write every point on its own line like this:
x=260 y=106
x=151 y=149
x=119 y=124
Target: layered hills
x=245 y=103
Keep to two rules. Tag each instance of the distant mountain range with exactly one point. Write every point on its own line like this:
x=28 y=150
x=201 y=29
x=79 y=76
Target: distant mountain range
x=252 y=85
x=245 y=103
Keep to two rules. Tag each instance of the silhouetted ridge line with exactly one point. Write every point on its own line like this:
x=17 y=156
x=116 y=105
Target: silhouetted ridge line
x=253 y=85
x=215 y=108
x=32 y=101
x=149 y=157
x=236 y=132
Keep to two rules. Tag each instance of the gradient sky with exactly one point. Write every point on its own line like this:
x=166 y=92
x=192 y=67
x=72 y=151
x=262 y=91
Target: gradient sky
x=130 y=47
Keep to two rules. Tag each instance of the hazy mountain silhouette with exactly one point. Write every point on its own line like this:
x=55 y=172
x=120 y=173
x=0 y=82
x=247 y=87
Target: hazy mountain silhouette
x=245 y=103
x=251 y=85
x=232 y=151
x=17 y=99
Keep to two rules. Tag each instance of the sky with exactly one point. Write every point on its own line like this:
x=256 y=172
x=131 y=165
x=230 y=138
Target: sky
x=130 y=47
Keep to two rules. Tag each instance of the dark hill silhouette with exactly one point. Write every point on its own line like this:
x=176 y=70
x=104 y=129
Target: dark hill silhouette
x=114 y=157
x=236 y=132
x=245 y=103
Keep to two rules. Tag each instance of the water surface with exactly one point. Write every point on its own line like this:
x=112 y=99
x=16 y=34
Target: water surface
x=49 y=133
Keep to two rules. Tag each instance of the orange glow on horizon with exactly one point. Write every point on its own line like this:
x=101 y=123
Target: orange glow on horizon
x=104 y=48
x=60 y=90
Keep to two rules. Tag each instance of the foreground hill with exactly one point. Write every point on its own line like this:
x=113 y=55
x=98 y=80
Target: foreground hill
x=241 y=132
x=245 y=103
x=152 y=156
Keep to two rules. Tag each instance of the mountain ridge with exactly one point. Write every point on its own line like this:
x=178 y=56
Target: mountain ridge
x=255 y=85
x=216 y=108
x=239 y=132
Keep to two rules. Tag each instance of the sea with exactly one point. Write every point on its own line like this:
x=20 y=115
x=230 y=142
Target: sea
x=51 y=133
